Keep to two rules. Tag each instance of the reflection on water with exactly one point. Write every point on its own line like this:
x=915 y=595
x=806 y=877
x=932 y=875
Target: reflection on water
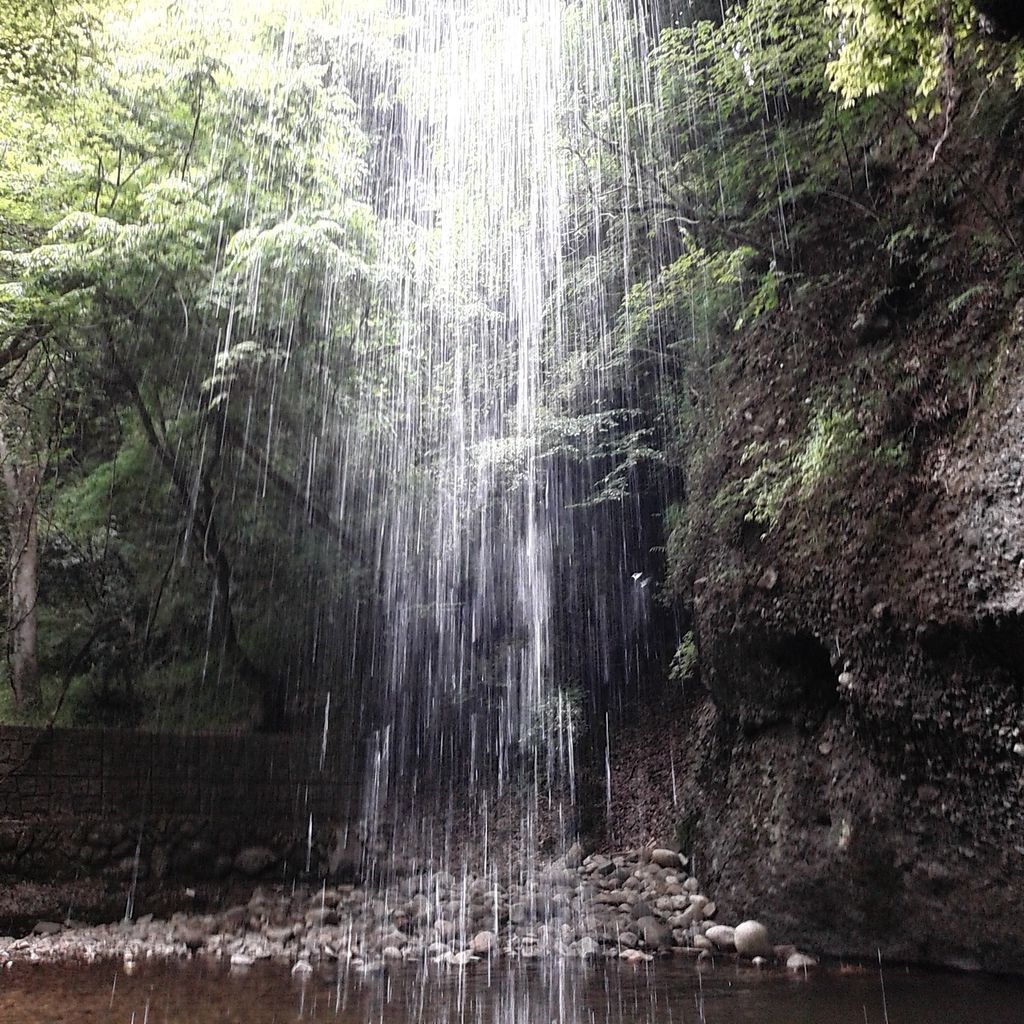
x=666 y=993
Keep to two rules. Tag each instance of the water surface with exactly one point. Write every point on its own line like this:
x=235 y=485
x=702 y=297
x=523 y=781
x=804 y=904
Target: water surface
x=661 y=993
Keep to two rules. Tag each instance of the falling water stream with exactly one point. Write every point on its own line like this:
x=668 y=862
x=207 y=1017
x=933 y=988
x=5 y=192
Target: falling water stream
x=482 y=546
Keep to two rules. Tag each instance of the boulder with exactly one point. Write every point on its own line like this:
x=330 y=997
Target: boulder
x=723 y=936
x=559 y=878
x=751 y=939
x=655 y=934
x=574 y=856
x=484 y=943
x=193 y=937
x=634 y=956
x=800 y=962
x=254 y=860
x=395 y=937
x=598 y=864
x=666 y=858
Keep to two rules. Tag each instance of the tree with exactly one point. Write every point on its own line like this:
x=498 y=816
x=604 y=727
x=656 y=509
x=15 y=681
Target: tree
x=22 y=477
x=210 y=282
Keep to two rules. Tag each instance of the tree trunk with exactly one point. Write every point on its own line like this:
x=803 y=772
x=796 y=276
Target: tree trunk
x=22 y=484
x=198 y=501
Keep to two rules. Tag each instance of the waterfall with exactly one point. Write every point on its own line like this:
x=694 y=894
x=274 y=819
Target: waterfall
x=502 y=355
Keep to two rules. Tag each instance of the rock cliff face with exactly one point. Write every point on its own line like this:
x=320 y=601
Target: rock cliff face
x=850 y=764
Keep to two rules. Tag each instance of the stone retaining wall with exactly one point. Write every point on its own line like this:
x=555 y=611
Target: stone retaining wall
x=124 y=809
x=78 y=773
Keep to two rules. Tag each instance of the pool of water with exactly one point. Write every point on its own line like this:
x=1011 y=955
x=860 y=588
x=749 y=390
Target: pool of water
x=554 y=993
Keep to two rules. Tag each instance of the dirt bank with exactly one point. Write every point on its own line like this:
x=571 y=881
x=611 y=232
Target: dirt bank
x=851 y=560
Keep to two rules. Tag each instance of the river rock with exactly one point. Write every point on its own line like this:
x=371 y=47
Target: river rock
x=751 y=939
x=800 y=962
x=484 y=943
x=655 y=934
x=254 y=860
x=47 y=928
x=723 y=936
x=418 y=908
x=634 y=956
x=194 y=938
x=394 y=938
x=688 y=916
x=559 y=878
x=666 y=858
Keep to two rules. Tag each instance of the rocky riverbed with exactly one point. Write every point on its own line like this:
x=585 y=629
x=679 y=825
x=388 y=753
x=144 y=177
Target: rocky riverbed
x=635 y=906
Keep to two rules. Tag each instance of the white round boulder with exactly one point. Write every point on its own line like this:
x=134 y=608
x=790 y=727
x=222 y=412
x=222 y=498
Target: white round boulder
x=751 y=938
